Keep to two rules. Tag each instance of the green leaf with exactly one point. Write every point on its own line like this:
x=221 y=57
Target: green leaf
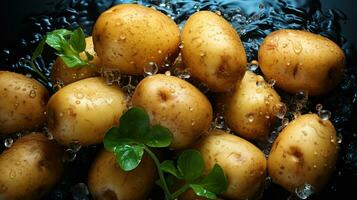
x=128 y=156
x=215 y=181
x=89 y=56
x=39 y=49
x=135 y=124
x=168 y=166
x=55 y=40
x=62 y=32
x=158 y=136
x=201 y=191
x=113 y=138
x=190 y=164
x=72 y=61
x=78 y=40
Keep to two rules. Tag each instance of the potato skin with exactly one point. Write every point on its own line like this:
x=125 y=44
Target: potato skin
x=84 y=111
x=22 y=103
x=301 y=61
x=251 y=107
x=242 y=162
x=304 y=152
x=213 y=51
x=62 y=74
x=175 y=104
x=129 y=36
x=30 y=168
x=108 y=181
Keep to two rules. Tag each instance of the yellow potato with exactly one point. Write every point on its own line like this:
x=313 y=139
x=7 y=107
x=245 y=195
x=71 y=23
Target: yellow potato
x=128 y=37
x=22 y=103
x=64 y=75
x=213 y=51
x=30 y=168
x=301 y=61
x=242 y=162
x=175 y=104
x=84 y=110
x=252 y=106
x=304 y=152
x=108 y=181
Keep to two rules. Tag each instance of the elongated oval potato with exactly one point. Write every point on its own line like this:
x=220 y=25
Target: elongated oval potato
x=84 y=110
x=30 y=168
x=242 y=162
x=22 y=103
x=64 y=75
x=213 y=51
x=301 y=61
x=304 y=152
x=108 y=181
x=251 y=108
x=129 y=36
x=175 y=104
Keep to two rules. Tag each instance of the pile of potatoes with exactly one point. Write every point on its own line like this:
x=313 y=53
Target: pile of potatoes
x=126 y=38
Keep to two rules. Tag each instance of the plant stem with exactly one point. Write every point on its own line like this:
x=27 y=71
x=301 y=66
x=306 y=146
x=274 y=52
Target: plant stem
x=38 y=71
x=180 y=191
x=161 y=174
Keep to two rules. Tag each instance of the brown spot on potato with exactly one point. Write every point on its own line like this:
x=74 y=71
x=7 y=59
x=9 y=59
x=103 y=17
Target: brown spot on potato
x=295 y=71
x=163 y=95
x=108 y=195
x=297 y=155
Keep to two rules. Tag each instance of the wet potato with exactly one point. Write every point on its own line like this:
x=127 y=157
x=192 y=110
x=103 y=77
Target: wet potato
x=128 y=37
x=175 y=104
x=251 y=107
x=22 y=103
x=63 y=75
x=108 y=181
x=305 y=152
x=84 y=110
x=243 y=163
x=30 y=168
x=213 y=51
x=301 y=61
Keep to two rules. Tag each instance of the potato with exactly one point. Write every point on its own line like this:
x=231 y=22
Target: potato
x=128 y=37
x=304 y=152
x=84 y=110
x=108 y=181
x=64 y=75
x=22 y=103
x=30 y=168
x=301 y=61
x=213 y=51
x=252 y=106
x=175 y=104
x=242 y=162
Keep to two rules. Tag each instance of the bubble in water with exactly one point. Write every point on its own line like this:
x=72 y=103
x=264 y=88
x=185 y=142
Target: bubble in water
x=32 y=94
x=318 y=107
x=218 y=122
x=75 y=146
x=284 y=122
x=168 y=73
x=250 y=118
x=69 y=155
x=252 y=66
x=111 y=76
x=296 y=114
x=324 y=114
x=181 y=45
x=182 y=73
x=8 y=142
x=304 y=191
x=339 y=138
x=280 y=110
x=302 y=96
x=271 y=82
x=151 y=69
x=58 y=85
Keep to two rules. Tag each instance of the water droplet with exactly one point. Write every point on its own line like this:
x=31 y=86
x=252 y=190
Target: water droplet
x=190 y=108
x=285 y=122
x=304 y=191
x=182 y=73
x=296 y=114
x=159 y=51
x=181 y=45
x=324 y=114
x=69 y=155
x=280 y=110
x=32 y=94
x=78 y=102
x=193 y=123
x=8 y=142
x=12 y=174
x=271 y=82
x=252 y=66
x=250 y=118
x=339 y=138
x=168 y=73
x=58 y=85
x=297 y=47
x=218 y=12
x=318 y=107
x=111 y=76
x=150 y=69
x=301 y=95
x=202 y=54
x=218 y=122
x=61 y=114
x=122 y=37
x=75 y=146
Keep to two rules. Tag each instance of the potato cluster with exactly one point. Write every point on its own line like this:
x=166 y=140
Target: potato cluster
x=128 y=38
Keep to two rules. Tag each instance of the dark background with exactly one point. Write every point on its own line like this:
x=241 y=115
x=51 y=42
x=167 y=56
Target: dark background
x=14 y=12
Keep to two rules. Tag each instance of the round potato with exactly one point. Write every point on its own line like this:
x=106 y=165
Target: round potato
x=65 y=75
x=108 y=181
x=251 y=108
x=22 y=103
x=128 y=37
x=242 y=162
x=175 y=104
x=301 y=61
x=213 y=51
x=305 y=152
x=30 y=168
x=84 y=110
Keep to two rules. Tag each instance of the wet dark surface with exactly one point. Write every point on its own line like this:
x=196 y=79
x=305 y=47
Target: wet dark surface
x=253 y=19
